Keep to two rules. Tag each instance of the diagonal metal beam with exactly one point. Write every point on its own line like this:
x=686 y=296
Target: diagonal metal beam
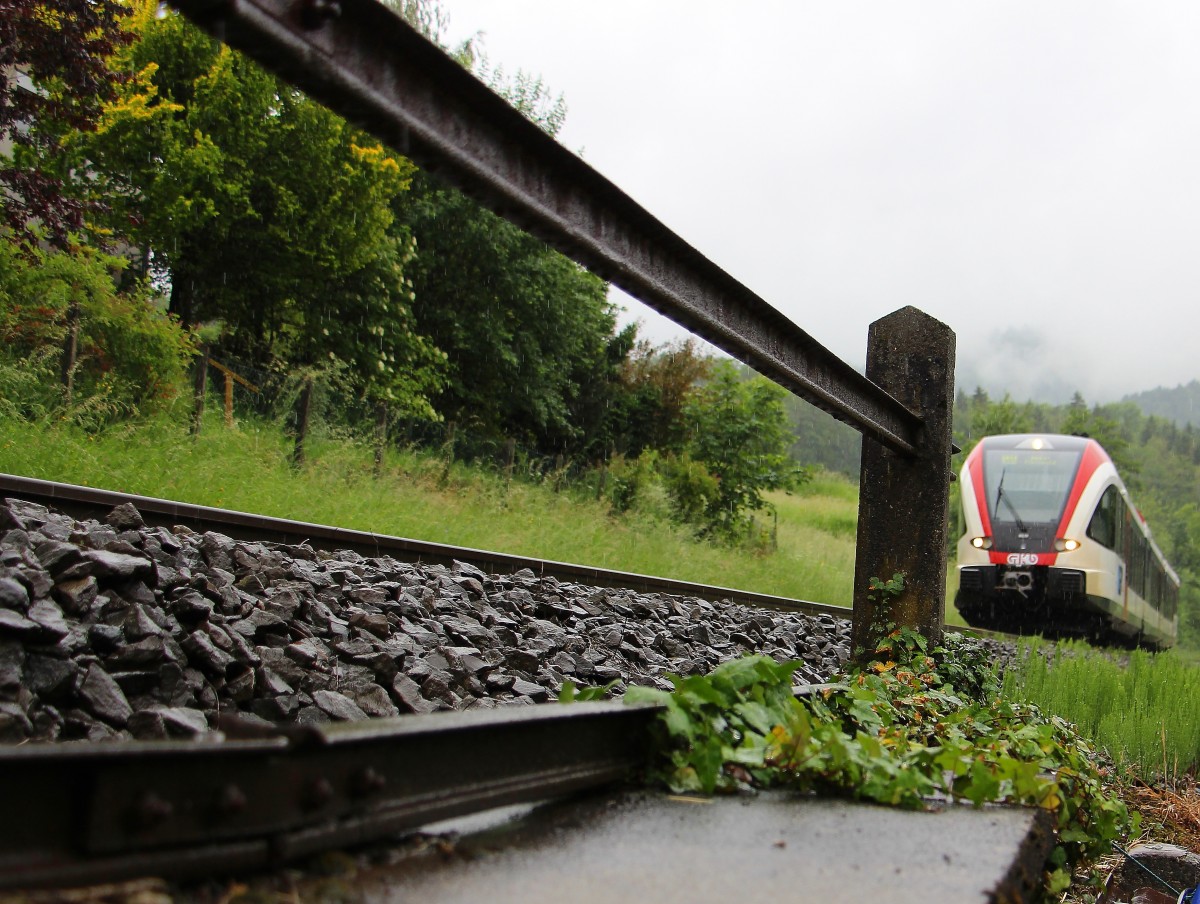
x=367 y=64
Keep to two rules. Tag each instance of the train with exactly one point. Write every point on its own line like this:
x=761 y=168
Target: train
x=1053 y=545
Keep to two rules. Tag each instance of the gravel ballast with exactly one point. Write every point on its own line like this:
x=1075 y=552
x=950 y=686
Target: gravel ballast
x=119 y=630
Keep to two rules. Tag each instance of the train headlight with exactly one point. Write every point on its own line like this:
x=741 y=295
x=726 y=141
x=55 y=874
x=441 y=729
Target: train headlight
x=1063 y=544
x=981 y=542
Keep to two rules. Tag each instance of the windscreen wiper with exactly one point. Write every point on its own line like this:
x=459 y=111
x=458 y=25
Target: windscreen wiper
x=1001 y=495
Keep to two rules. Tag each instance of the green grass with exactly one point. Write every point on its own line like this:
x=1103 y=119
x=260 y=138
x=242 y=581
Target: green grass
x=1144 y=713
x=952 y=617
x=417 y=496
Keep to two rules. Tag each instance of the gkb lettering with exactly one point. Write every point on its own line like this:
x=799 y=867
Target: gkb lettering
x=1022 y=558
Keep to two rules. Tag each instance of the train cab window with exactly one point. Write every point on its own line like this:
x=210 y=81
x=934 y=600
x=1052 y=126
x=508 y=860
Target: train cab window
x=1027 y=486
x=1104 y=526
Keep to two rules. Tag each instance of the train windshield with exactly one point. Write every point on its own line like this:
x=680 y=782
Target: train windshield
x=1026 y=486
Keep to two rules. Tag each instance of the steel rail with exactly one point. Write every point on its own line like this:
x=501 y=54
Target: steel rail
x=366 y=63
x=78 y=814
x=87 y=502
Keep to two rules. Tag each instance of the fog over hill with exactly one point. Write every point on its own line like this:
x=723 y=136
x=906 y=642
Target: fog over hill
x=1022 y=363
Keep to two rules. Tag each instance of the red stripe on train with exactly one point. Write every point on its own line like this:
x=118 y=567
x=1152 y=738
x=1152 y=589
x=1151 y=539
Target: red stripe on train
x=976 y=465
x=1093 y=458
x=1021 y=559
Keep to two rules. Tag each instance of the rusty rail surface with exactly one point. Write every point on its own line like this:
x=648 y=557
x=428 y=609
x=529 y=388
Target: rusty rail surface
x=104 y=812
x=87 y=502
x=368 y=64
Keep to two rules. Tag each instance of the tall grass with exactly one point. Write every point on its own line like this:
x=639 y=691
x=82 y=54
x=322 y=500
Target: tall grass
x=420 y=495
x=952 y=617
x=1145 y=712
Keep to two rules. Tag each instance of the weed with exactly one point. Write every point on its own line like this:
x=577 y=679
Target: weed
x=571 y=693
x=908 y=726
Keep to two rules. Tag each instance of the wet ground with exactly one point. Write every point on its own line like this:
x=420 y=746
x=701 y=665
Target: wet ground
x=769 y=847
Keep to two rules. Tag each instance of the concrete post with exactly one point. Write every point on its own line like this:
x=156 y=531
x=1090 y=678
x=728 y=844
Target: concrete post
x=904 y=500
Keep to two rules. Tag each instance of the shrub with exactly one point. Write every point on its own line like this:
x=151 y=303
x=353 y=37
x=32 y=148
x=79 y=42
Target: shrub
x=738 y=430
x=691 y=488
x=130 y=355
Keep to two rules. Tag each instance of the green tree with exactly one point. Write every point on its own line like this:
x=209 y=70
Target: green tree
x=54 y=81
x=533 y=354
x=127 y=355
x=656 y=382
x=528 y=333
x=999 y=418
x=1106 y=430
x=737 y=428
x=268 y=213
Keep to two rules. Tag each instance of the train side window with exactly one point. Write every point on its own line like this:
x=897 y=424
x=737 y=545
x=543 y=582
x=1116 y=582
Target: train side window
x=1137 y=563
x=1103 y=528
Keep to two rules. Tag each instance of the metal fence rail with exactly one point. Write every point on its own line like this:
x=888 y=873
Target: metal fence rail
x=367 y=64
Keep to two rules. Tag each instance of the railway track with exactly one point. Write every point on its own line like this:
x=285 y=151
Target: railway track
x=86 y=502
x=83 y=814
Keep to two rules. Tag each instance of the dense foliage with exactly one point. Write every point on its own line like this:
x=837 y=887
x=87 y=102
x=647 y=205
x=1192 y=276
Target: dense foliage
x=724 y=441
x=127 y=355
x=529 y=336
x=54 y=81
x=736 y=427
x=266 y=213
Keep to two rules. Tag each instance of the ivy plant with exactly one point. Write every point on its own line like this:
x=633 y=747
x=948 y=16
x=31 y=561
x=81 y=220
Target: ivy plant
x=911 y=726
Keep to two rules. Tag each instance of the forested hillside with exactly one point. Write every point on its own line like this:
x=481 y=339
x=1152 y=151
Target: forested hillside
x=1181 y=404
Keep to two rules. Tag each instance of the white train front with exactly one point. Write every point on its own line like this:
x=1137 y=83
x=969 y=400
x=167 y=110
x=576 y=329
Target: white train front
x=1053 y=545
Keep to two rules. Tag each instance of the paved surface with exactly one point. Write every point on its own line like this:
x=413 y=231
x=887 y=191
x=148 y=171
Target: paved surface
x=774 y=848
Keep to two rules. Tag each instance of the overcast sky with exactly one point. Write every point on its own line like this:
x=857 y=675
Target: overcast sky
x=1027 y=171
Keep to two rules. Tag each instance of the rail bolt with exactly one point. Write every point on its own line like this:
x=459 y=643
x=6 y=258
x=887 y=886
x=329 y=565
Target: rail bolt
x=152 y=811
x=231 y=800
x=366 y=782
x=317 y=794
x=315 y=13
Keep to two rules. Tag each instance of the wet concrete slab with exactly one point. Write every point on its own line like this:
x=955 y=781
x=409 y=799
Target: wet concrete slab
x=634 y=847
